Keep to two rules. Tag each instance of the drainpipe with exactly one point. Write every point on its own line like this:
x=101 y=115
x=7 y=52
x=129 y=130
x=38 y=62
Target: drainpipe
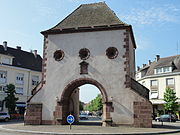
x=28 y=85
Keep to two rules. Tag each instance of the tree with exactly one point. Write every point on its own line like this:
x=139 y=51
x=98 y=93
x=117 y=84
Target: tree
x=171 y=106
x=10 y=100
x=95 y=104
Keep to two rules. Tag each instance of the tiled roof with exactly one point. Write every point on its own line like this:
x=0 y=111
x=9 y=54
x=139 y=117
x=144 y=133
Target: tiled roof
x=173 y=61
x=23 y=59
x=86 y=15
x=88 y=18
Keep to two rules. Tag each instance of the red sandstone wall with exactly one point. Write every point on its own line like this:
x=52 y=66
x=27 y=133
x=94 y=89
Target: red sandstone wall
x=143 y=114
x=33 y=114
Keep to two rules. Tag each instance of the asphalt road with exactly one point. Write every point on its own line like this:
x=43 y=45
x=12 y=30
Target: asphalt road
x=2 y=132
x=15 y=133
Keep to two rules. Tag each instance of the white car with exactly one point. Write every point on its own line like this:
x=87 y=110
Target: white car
x=4 y=116
x=83 y=116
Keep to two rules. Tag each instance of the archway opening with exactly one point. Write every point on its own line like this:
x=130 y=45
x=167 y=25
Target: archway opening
x=68 y=104
x=90 y=105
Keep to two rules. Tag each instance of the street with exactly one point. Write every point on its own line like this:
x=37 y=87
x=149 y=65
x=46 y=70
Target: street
x=15 y=133
x=14 y=125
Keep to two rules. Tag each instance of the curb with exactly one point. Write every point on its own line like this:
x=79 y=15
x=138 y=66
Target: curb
x=57 y=133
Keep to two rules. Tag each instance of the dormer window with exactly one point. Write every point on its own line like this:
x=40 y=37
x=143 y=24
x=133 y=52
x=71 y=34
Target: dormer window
x=159 y=70
x=166 y=69
x=6 y=60
x=163 y=70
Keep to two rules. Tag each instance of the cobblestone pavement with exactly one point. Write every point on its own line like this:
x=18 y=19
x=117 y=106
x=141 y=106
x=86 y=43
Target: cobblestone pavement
x=84 y=129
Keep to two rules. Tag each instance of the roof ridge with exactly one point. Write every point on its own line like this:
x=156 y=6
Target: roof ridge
x=94 y=3
x=169 y=56
x=20 y=50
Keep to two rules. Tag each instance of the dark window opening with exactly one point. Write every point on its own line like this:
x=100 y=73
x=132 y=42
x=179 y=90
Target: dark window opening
x=83 y=68
x=58 y=55
x=84 y=53
x=112 y=52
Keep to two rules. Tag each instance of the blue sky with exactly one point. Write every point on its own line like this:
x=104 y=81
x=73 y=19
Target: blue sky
x=156 y=23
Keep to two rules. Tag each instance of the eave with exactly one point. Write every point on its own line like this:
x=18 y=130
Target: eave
x=91 y=29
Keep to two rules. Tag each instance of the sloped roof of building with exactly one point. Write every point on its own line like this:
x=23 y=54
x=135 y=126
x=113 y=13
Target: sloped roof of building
x=173 y=61
x=86 y=15
x=90 y=17
x=23 y=59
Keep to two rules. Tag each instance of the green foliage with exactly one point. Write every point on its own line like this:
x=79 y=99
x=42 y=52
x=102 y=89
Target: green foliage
x=95 y=104
x=170 y=98
x=11 y=99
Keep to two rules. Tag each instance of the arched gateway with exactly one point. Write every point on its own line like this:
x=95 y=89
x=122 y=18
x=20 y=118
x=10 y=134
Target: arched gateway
x=90 y=46
x=64 y=101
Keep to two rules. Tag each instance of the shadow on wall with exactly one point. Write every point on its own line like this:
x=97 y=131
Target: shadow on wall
x=121 y=109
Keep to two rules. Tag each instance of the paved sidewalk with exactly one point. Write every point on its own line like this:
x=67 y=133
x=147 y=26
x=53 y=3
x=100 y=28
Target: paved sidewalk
x=80 y=129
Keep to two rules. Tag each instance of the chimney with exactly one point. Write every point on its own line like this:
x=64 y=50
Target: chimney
x=157 y=57
x=5 y=45
x=35 y=53
x=138 y=68
x=18 y=47
x=149 y=62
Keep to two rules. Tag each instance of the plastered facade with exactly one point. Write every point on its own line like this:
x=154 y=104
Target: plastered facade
x=27 y=86
x=110 y=73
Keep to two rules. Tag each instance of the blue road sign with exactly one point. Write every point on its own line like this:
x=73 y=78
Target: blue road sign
x=70 y=119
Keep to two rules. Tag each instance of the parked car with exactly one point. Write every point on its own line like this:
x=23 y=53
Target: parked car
x=167 y=118
x=4 y=116
x=83 y=116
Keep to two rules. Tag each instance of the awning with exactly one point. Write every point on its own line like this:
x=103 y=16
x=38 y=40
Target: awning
x=154 y=96
x=21 y=105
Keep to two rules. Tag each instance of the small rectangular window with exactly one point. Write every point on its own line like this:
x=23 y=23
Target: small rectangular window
x=154 y=82
x=20 y=78
x=3 y=76
x=166 y=69
x=169 y=81
x=3 y=88
x=19 y=90
x=159 y=70
x=35 y=80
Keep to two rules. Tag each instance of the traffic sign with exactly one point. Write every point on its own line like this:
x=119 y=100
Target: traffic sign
x=70 y=119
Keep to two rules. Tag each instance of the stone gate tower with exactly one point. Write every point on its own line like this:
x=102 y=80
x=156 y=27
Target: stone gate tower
x=90 y=46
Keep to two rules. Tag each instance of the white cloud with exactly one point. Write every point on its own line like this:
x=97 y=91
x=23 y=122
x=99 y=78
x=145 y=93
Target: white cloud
x=152 y=15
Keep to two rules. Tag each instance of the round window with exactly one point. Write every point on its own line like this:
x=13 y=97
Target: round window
x=112 y=52
x=58 y=55
x=84 y=53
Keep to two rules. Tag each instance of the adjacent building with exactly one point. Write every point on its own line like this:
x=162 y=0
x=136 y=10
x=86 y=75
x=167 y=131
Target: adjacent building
x=157 y=76
x=21 y=68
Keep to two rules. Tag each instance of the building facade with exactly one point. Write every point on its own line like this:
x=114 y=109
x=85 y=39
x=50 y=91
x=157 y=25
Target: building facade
x=21 y=68
x=90 y=46
x=157 y=76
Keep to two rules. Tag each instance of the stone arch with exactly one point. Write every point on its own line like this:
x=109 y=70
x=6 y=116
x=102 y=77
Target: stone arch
x=63 y=103
x=79 y=82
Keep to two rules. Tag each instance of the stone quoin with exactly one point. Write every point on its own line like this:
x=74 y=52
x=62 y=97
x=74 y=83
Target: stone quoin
x=95 y=48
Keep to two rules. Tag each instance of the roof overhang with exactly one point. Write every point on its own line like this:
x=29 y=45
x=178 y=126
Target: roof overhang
x=91 y=29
